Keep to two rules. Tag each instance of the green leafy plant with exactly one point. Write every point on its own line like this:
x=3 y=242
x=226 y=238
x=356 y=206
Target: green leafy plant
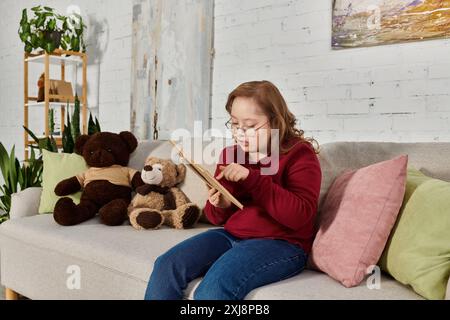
x=49 y=30
x=93 y=125
x=51 y=122
x=17 y=177
x=68 y=142
x=47 y=143
x=75 y=126
x=68 y=136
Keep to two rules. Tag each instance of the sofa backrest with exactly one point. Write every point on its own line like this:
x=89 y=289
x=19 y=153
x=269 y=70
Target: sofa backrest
x=432 y=158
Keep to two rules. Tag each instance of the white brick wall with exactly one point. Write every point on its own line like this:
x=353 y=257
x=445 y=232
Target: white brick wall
x=394 y=92
x=109 y=21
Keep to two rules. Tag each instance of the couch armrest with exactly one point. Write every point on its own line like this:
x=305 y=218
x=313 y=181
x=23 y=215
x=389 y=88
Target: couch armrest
x=25 y=203
x=447 y=296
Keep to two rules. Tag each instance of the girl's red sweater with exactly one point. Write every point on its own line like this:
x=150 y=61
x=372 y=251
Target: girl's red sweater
x=279 y=206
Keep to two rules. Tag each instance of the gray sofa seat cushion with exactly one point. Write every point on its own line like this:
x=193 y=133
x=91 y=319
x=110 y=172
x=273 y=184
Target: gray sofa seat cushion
x=313 y=285
x=127 y=256
x=122 y=248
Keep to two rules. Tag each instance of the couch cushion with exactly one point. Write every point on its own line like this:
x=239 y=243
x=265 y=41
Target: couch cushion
x=25 y=203
x=418 y=252
x=314 y=285
x=429 y=157
x=121 y=248
x=57 y=167
x=116 y=262
x=357 y=216
x=36 y=250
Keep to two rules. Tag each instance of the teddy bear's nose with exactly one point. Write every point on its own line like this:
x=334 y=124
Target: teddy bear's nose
x=148 y=168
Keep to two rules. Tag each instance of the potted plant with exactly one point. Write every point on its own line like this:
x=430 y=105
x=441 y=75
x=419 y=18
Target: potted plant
x=70 y=134
x=49 y=30
x=16 y=177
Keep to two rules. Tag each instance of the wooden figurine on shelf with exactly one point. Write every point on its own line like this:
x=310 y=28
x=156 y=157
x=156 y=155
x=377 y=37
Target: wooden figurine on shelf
x=57 y=87
x=41 y=88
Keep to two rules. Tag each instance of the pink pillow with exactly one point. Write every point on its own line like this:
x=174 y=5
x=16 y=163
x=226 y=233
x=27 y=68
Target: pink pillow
x=355 y=221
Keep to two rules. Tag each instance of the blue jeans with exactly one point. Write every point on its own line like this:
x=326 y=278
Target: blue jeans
x=232 y=267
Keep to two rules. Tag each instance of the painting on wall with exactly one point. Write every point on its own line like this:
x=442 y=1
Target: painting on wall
x=362 y=23
x=171 y=66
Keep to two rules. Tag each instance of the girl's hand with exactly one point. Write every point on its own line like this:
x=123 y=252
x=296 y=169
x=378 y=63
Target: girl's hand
x=217 y=199
x=233 y=172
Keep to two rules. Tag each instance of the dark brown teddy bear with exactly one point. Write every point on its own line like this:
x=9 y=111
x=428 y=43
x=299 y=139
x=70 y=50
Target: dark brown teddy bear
x=159 y=201
x=107 y=185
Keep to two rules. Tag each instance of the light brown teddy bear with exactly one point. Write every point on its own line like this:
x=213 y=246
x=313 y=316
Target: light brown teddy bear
x=159 y=201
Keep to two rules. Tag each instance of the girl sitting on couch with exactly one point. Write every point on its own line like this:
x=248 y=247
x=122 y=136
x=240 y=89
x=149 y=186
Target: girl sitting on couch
x=270 y=238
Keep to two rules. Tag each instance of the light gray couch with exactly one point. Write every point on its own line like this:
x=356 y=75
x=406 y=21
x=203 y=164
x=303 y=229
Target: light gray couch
x=38 y=257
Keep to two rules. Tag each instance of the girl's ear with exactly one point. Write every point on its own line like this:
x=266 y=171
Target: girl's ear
x=80 y=143
x=149 y=158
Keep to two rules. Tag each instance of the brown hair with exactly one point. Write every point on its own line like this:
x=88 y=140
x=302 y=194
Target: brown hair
x=269 y=98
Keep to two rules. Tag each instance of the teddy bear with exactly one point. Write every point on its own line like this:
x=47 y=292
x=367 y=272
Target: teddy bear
x=106 y=186
x=159 y=201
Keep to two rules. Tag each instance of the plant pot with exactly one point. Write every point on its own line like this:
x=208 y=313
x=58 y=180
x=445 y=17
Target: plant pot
x=54 y=37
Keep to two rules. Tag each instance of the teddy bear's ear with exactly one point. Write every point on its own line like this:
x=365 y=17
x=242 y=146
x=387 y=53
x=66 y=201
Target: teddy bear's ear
x=80 y=142
x=149 y=158
x=130 y=140
x=181 y=173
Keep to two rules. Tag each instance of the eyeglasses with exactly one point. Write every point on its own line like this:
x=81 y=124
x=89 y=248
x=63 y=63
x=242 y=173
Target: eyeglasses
x=240 y=132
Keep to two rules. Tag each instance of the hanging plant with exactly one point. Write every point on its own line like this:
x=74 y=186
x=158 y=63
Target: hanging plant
x=49 y=30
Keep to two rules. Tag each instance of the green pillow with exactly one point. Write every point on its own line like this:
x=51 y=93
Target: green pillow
x=418 y=251
x=414 y=179
x=57 y=167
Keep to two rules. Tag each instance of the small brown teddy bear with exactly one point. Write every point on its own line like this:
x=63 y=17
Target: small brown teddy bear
x=107 y=184
x=159 y=201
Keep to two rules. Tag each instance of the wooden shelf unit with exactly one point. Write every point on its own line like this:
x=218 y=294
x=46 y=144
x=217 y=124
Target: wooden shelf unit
x=59 y=58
